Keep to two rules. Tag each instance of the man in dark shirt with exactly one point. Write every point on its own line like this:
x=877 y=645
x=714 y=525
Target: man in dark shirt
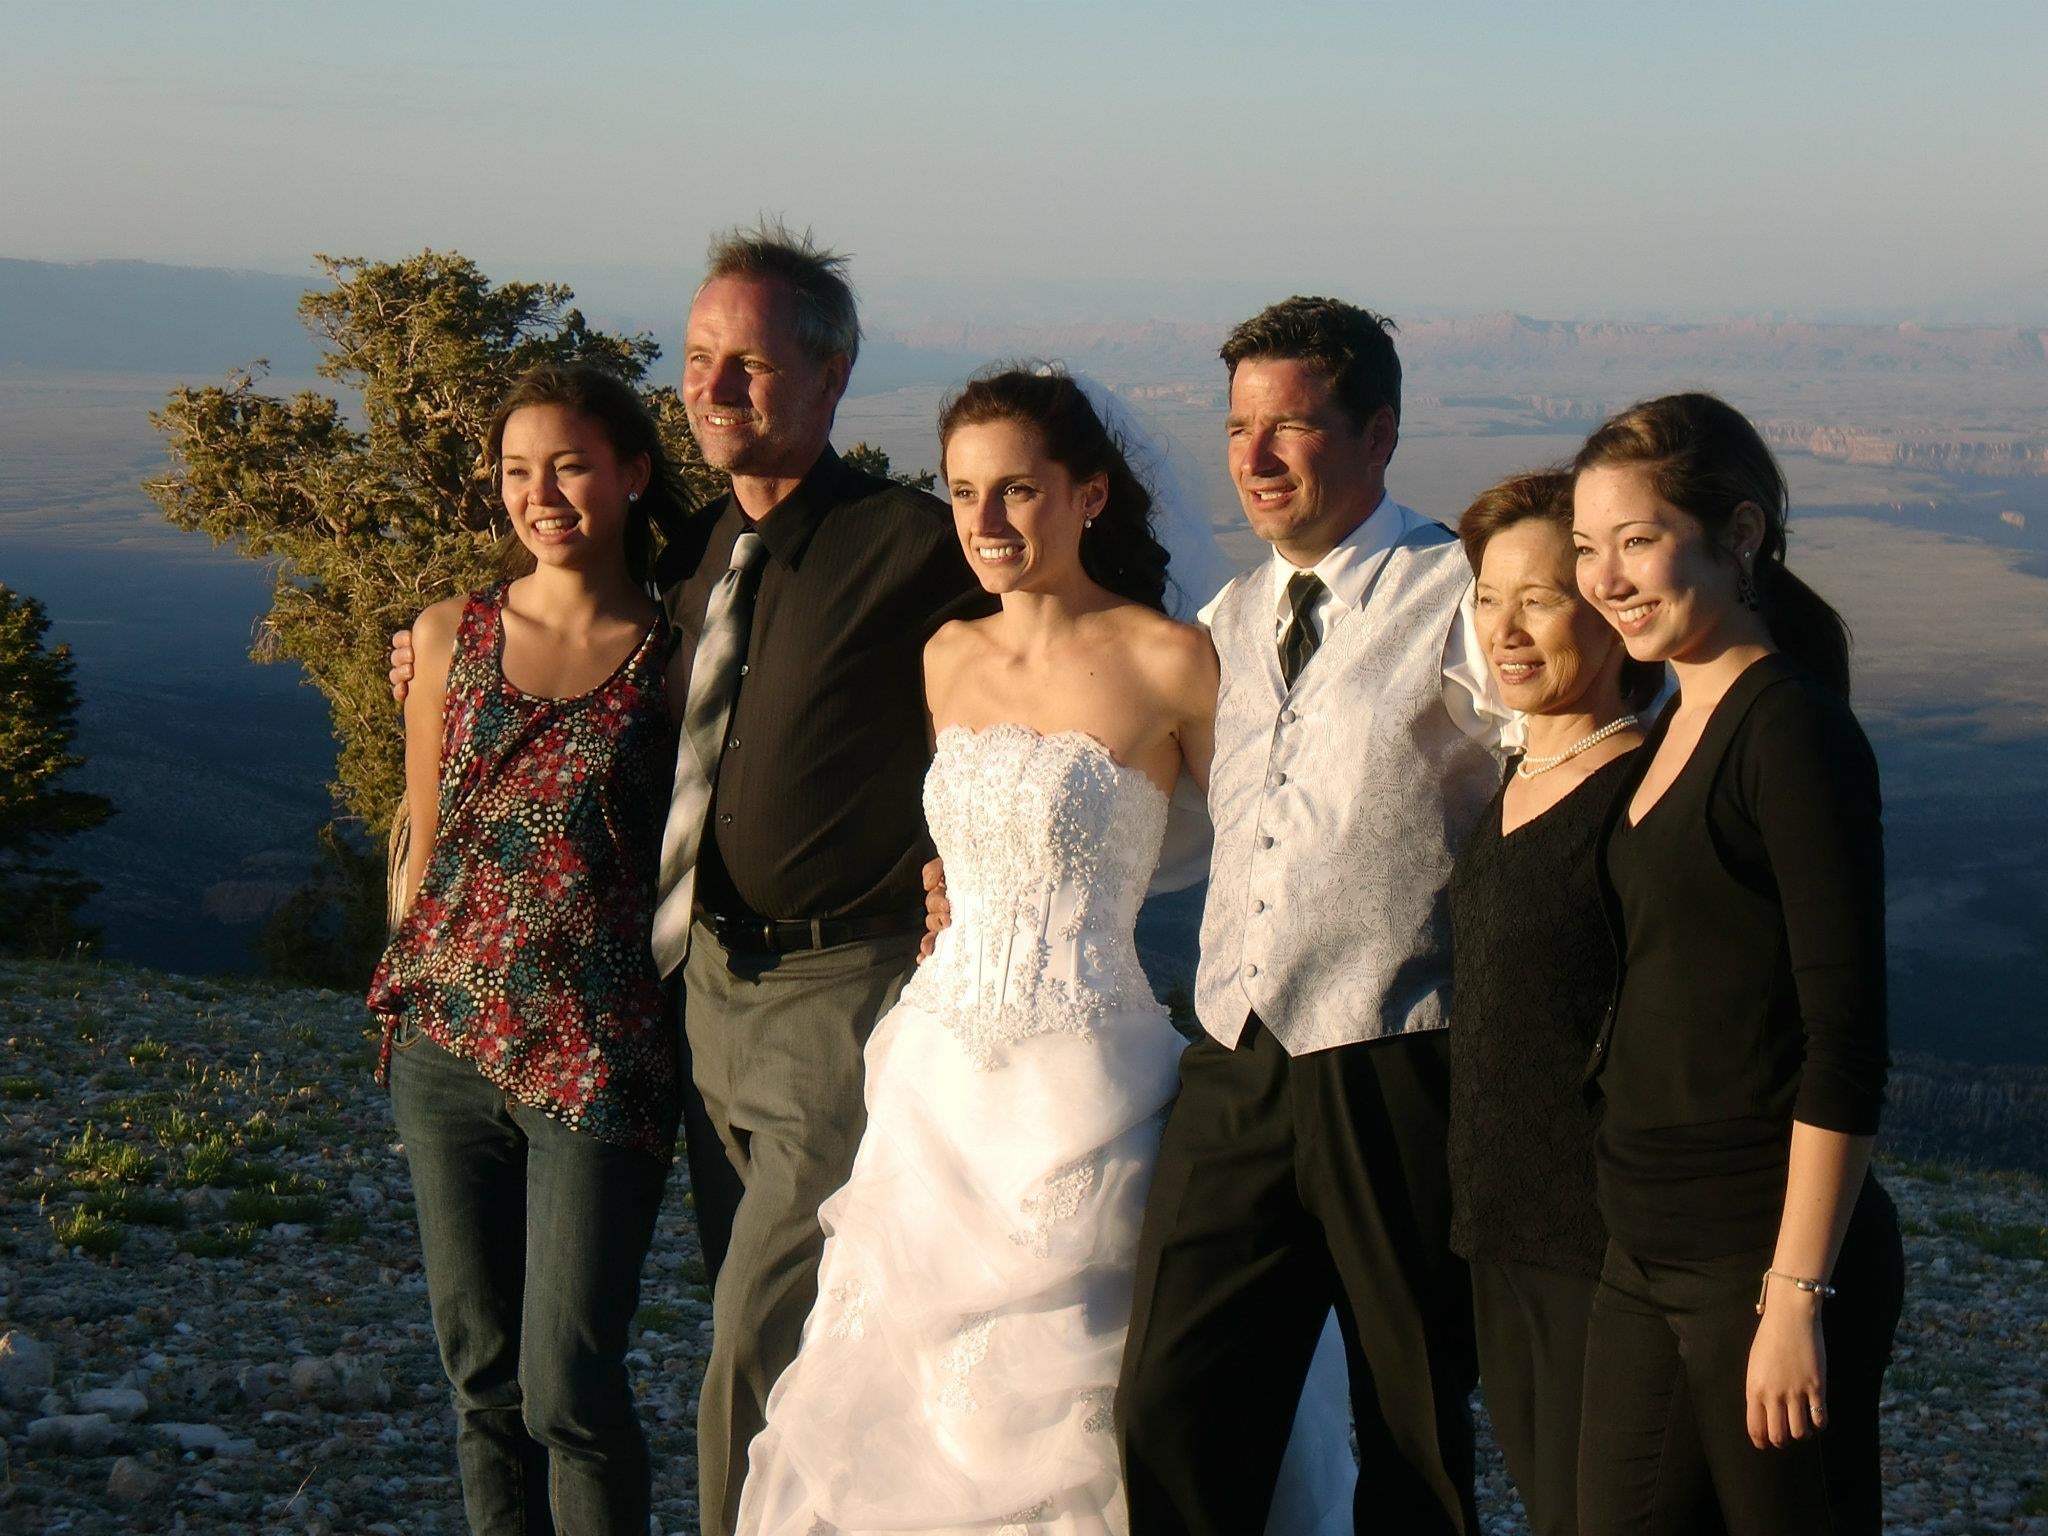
x=808 y=897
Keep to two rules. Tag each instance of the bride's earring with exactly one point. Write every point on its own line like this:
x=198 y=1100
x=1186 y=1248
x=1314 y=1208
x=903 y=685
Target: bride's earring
x=631 y=497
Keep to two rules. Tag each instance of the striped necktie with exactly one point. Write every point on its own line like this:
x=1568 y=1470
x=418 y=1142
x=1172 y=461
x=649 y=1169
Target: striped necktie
x=714 y=684
x=1298 y=642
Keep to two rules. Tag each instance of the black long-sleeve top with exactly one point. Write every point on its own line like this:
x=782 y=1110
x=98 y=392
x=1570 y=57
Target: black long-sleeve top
x=1532 y=972
x=818 y=810
x=1748 y=906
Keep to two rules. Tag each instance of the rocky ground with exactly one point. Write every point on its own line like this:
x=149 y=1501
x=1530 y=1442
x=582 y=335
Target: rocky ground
x=215 y=1319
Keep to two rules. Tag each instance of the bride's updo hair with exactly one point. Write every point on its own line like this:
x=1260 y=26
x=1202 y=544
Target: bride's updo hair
x=1119 y=552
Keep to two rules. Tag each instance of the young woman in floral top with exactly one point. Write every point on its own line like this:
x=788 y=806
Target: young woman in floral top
x=533 y=1069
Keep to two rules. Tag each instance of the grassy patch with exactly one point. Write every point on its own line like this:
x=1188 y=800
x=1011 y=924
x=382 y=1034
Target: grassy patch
x=21 y=1089
x=302 y=1033
x=1919 y=1168
x=2004 y=1240
x=205 y=1163
x=2035 y=1503
x=693 y=1272
x=147 y=1049
x=344 y=1229
x=98 y=1159
x=39 y=1187
x=260 y=1133
x=266 y=1208
x=657 y=1317
x=237 y=1238
x=136 y=1206
x=89 y=1230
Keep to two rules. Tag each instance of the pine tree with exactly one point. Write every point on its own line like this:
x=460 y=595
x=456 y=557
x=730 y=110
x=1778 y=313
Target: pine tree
x=38 y=722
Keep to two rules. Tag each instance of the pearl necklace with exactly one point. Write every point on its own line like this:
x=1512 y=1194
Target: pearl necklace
x=1529 y=767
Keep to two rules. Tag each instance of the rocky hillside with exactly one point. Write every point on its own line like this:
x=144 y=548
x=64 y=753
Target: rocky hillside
x=214 y=1318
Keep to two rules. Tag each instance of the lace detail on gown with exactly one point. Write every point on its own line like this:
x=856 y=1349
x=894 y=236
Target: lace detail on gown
x=1048 y=843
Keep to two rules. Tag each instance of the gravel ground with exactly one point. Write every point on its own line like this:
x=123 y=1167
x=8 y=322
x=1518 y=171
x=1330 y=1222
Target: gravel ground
x=215 y=1319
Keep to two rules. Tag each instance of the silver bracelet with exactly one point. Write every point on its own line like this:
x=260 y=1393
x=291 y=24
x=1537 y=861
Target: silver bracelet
x=1818 y=1288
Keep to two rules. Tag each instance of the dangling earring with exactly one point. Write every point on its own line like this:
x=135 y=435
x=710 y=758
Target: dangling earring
x=1087 y=523
x=1745 y=585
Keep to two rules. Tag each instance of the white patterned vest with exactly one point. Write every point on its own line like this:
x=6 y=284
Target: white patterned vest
x=1338 y=807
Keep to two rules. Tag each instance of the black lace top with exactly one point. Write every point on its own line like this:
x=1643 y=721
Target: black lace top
x=1532 y=973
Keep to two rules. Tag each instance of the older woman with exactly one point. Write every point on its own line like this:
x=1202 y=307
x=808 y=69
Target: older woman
x=1533 y=973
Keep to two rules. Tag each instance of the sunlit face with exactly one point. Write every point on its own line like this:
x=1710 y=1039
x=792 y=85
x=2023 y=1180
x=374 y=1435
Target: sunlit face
x=1305 y=472
x=1653 y=571
x=564 y=485
x=1550 y=649
x=759 y=404
x=1020 y=515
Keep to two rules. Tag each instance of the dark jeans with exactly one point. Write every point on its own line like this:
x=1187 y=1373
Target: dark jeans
x=1665 y=1332
x=1284 y=1185
x=533 y=1236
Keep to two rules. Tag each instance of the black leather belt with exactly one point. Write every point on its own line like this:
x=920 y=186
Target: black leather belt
x=778 y=936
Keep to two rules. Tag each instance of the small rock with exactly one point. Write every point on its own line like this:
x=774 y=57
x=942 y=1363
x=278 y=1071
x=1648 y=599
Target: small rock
x=52 y=1404
x=205 y=1439
x=258 y=1382
x=132 y=1481
x=363 y=1194
x=74 y=1434
x=291 y=1232
x=27 y=1369
x=314 y=1378
x=123 y=1405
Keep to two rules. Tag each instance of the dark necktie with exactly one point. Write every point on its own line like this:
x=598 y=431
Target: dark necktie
x=1298 y=641
x=707 y=708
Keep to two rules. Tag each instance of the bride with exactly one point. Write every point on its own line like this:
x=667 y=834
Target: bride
x=957 y=1370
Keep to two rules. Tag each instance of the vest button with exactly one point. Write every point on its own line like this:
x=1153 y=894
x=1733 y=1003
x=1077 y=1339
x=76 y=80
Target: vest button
x=1258 y=906
x=1251 y=970
x=1266 y=841
x=1279 y=778
x=1287 y=717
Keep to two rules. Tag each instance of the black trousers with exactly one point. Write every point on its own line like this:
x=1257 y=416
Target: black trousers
x=715 y=1189
x=1530 y=1321
x=1667 y=1359
x=1284 y=1185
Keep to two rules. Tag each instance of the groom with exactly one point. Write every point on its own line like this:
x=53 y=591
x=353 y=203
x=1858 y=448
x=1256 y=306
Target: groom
x=1303 y=1163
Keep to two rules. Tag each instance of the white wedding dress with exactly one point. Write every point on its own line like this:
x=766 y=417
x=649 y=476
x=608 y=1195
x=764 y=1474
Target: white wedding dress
x=957 y=1371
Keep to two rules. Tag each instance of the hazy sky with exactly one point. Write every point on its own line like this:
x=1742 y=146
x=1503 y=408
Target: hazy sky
x=1128 y=158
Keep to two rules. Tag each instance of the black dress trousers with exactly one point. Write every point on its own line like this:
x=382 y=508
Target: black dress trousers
x=1286 y=1185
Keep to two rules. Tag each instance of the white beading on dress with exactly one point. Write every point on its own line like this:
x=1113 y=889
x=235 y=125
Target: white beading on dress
x=957 y=1370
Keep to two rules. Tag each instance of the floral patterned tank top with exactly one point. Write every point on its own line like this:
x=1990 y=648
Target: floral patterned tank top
x=525 y=950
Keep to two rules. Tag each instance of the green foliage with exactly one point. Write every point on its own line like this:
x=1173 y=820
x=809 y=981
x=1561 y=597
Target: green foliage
x=368 y=525
x=38 y=720
x=227 y=1243
x=137 y=1206
x=20 y=1088
x=89 y=1230
x=372 y=510
x=98 y=1159
x=874 y=461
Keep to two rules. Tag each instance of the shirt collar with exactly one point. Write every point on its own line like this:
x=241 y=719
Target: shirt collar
x=788 y=529
x=1347 y=570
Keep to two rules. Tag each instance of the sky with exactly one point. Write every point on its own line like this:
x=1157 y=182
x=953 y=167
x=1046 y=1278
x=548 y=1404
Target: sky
x=1115 y=159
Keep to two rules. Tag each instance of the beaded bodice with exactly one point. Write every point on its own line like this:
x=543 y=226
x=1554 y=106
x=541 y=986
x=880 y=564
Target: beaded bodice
x=1048 y=844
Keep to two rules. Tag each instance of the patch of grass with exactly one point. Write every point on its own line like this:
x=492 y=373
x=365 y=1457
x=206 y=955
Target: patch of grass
x=1926 y=1171
x=253 y=1173
x=99 y=1159
x=657 y=1317
x=137 y=1206
x=205 y=1163
x=698 y=1293
x=344 y=1229
x=302 y=1033
x=2003 y=1240
x=147 y=1048
x=113 y=1077
x=39 y=1187
x=693 y=1272
x=174 y=1125
x=260 y=1133
x=21 y=1089
x=237 y=1238
x=266 y=1208
x=137 y=1108
x=89 y=1230
x=2035 y=1503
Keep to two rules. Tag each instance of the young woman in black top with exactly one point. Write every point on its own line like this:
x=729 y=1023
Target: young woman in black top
x=1754 y=1265
x=1532 y=973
